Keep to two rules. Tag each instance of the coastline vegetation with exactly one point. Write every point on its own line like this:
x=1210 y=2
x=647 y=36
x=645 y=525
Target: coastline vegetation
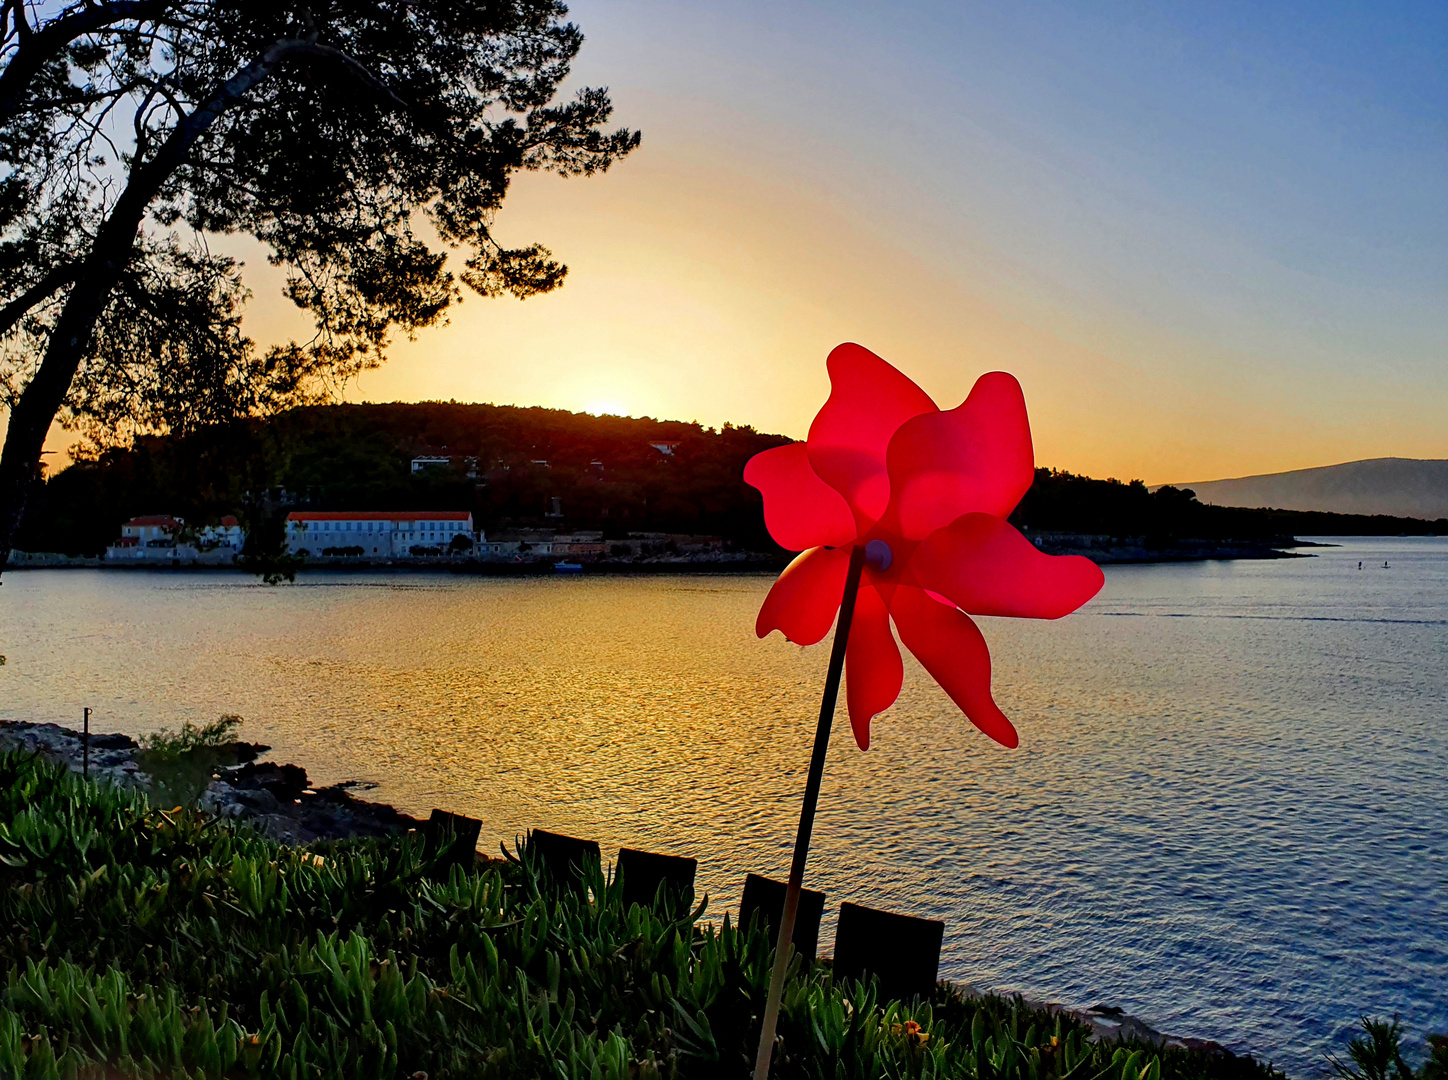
x=1065 y=502
x=604 y=471
x=1377 y=1054
x=180 y=763
x=144 y=941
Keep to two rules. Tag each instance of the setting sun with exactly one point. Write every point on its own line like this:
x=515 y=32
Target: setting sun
x=605 y=407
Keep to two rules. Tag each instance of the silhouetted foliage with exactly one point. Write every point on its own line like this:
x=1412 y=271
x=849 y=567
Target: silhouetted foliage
x=180 y=763
x=1064 y=502
x=603 y=471
x=1377 y=1054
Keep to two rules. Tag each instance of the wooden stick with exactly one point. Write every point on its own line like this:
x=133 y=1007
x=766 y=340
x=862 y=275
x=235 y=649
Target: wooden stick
x=783 y=945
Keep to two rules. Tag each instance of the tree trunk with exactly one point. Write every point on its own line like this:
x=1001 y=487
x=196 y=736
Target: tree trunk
x=97 y=277
x=43 y=396
x=30 y=420
x=18 y=465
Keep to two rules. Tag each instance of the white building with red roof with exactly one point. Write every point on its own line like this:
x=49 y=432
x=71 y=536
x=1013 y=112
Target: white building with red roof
x=166 y=540
x=150 y=530
x=380 y=534
x=226 y=533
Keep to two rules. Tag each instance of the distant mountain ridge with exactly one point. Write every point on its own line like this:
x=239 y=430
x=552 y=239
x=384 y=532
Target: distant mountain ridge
x=1401 y=487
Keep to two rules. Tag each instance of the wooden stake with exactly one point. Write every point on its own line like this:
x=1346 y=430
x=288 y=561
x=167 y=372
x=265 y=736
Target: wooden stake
x=85 y=748
x=783 y=944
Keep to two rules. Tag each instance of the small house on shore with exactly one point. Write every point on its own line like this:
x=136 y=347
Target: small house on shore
x=165 y=540
x=149 y=531
x=520 y=545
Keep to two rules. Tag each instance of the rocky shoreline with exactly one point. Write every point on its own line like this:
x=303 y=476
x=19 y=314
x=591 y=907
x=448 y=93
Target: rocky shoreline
x=279 y=801
x=276 y=799
x=1115 y=550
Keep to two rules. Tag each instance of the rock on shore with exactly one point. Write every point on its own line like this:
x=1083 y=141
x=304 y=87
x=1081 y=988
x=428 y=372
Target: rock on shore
x=277 y=799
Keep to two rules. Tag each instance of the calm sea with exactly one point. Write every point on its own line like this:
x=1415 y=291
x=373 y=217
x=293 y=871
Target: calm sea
x=1228 y=813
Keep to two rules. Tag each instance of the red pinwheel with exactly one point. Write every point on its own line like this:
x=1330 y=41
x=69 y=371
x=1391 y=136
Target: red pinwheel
x=926 y=493
x=900 y=512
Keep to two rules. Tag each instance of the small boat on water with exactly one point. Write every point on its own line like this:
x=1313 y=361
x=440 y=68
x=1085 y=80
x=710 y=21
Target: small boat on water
x=568 y=568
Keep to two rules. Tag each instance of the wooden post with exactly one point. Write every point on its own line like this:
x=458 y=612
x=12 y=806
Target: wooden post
x=807 y=814
x=85 y=747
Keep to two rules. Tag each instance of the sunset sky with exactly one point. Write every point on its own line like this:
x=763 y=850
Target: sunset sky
x=1210 y=239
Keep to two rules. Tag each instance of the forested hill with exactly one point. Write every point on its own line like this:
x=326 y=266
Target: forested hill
x=546 y=468
x=603 y=471
x=1064 y=502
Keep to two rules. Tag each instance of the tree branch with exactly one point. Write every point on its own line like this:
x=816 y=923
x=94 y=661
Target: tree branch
x=15 y=310
x=353 y=67
x=36 y=47
x=97 y=274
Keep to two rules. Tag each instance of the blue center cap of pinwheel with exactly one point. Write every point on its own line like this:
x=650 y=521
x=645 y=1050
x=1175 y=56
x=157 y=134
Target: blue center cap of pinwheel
x=878 y=556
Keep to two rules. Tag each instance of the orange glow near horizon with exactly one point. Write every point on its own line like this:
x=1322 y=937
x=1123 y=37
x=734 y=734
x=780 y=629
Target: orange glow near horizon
x=671 y=315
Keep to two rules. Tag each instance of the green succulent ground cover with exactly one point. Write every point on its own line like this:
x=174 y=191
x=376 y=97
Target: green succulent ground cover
x=149 y=943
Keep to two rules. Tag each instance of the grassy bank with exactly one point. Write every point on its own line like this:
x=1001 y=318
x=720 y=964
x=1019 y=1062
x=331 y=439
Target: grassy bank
x=143 y=942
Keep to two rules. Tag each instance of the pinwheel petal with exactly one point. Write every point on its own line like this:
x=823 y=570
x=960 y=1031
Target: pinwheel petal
x=803 y=602
x=873 y=671
x=988 y=568
x=868 y=402
x=973 y=459
x=800 y=510
x=951 y=648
